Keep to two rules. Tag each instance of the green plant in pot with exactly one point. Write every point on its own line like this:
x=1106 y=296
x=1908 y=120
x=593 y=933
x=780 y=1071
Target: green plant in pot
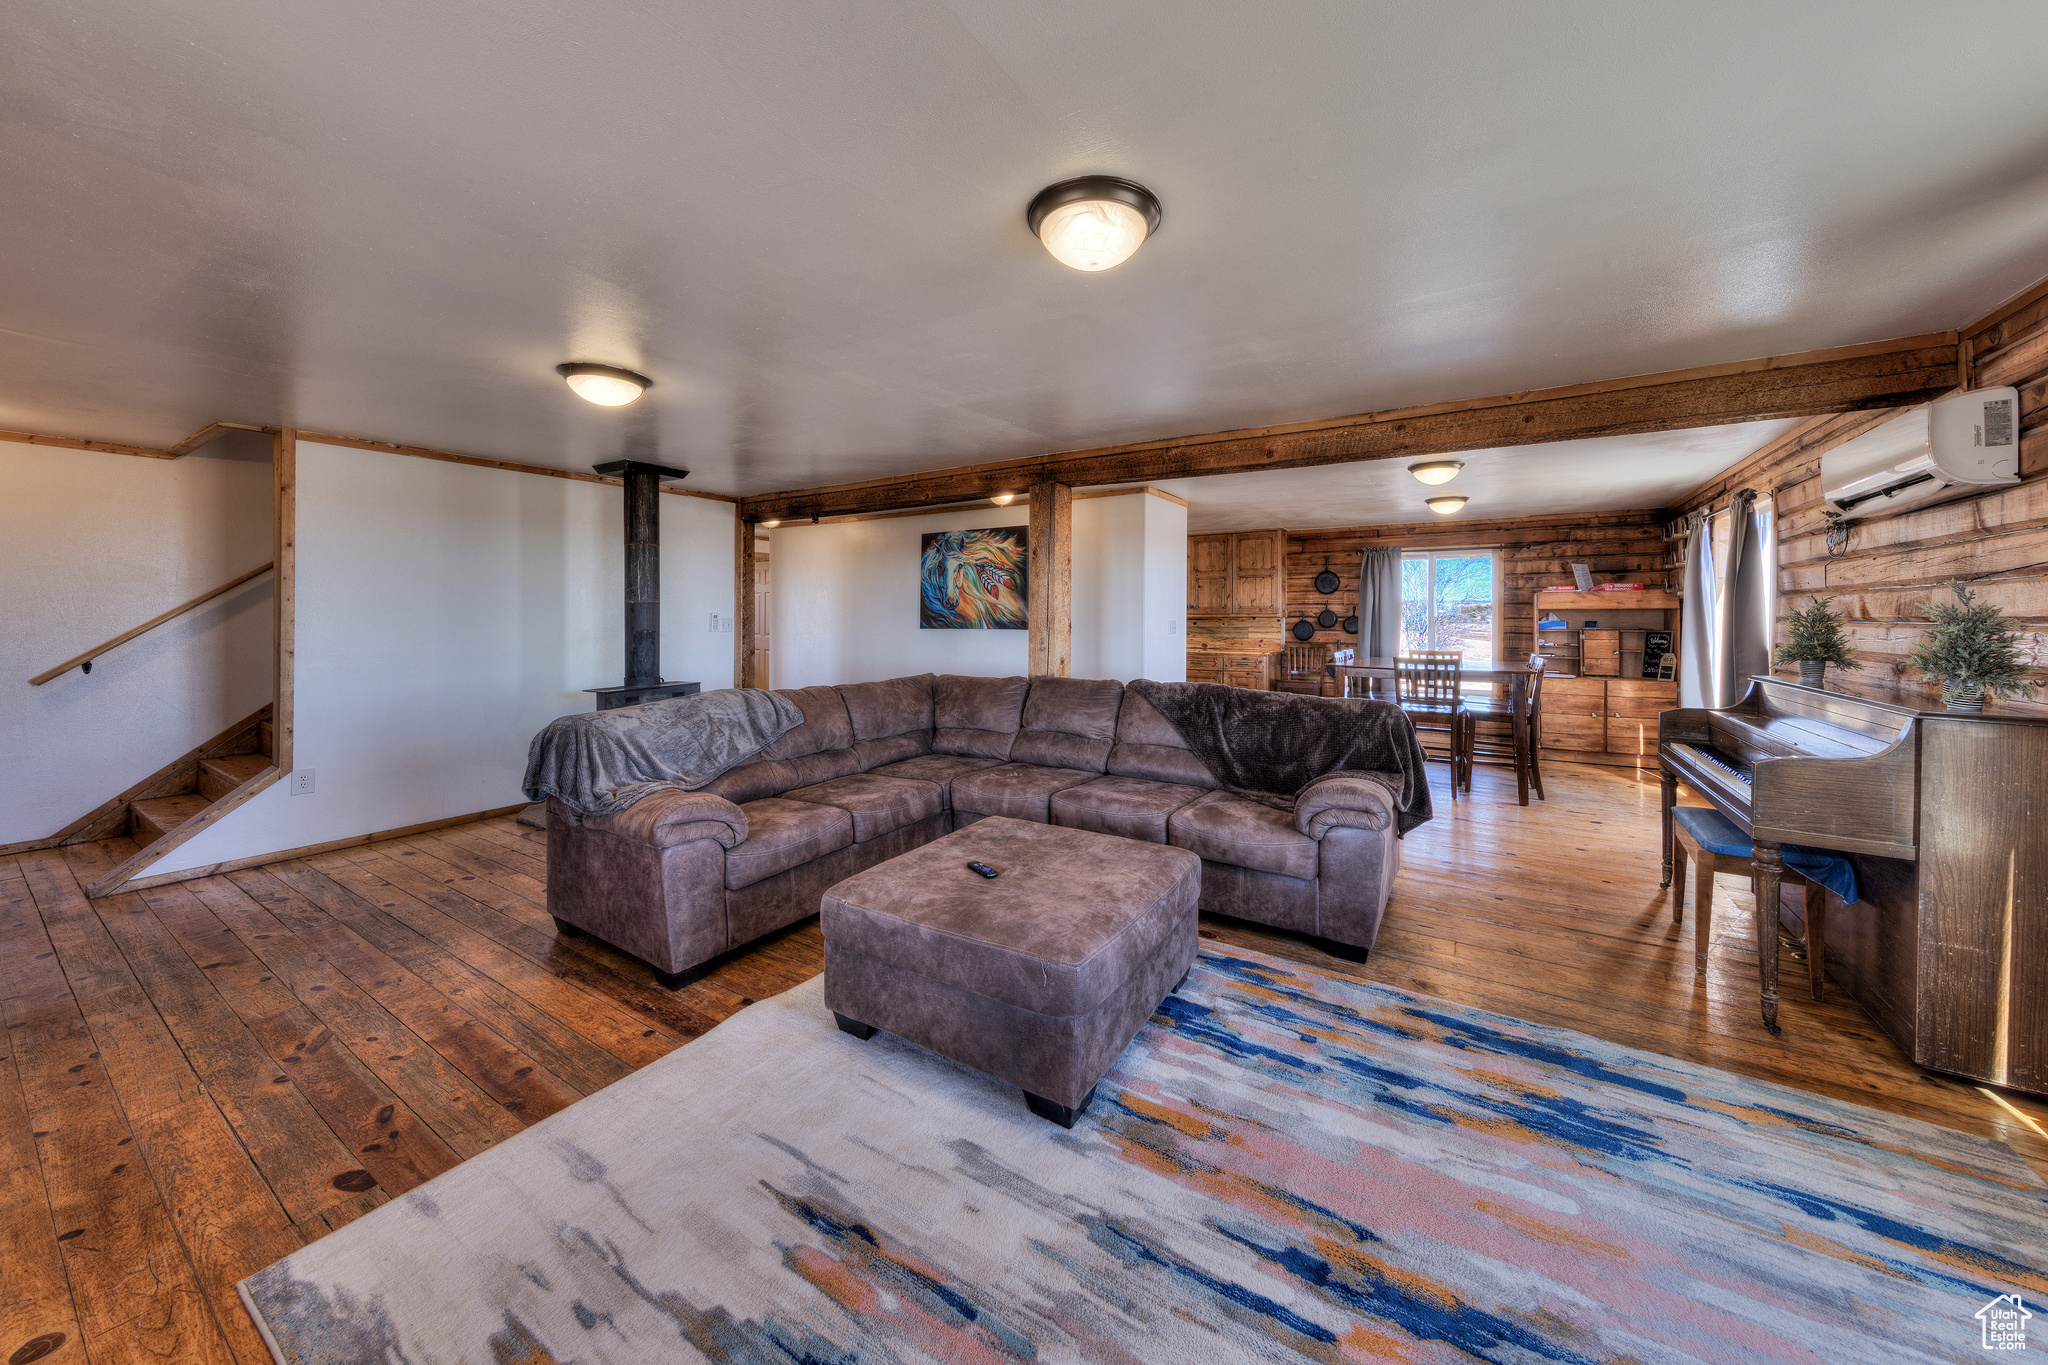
x=1972 y=648
x=1815 y=639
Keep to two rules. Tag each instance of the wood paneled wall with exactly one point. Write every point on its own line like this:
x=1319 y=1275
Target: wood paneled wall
x=1997 y=542
x=1534 y=551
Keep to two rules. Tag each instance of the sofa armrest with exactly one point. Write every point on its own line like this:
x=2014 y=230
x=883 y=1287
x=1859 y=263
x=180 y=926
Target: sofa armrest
x=665 y=819
x=1346 y=800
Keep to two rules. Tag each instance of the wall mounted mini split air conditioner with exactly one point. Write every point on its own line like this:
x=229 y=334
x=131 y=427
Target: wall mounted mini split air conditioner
x=1950 y=448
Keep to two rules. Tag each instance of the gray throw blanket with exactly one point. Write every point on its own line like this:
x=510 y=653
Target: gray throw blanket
x=600 y=762
x=1278 y=743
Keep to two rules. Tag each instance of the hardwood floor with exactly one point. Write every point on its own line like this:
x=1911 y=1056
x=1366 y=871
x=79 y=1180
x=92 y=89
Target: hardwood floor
x=201 y=1077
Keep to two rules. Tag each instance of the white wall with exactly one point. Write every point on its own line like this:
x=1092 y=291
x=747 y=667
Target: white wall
x=446 y=613
x=94 y=544
x=845 y=597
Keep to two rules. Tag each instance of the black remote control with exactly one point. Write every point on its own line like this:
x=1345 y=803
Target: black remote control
x=983 y=868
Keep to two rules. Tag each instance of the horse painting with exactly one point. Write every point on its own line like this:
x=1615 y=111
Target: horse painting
x=974 y=580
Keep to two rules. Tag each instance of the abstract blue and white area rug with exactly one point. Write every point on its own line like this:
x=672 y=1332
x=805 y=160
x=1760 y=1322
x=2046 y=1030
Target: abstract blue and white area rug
x=1286 y=1165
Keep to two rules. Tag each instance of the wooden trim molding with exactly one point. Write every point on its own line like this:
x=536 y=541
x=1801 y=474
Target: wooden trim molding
x=1883 y=374
x=483 y=462
x=210 y=432
x=744 y=555
x=284 y=549
x=353 y=841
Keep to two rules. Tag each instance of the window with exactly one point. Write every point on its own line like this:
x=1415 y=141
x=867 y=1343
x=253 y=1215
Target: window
x=1450 y=599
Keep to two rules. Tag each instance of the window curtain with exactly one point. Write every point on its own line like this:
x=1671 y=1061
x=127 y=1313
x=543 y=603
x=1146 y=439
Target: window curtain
x=1725 y=624
x=1379 y=606
x=1697 y=619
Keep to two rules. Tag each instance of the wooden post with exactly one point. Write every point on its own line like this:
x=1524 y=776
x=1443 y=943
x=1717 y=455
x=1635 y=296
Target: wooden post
x=742 y=601
x=284 y=470
x=1050 y=613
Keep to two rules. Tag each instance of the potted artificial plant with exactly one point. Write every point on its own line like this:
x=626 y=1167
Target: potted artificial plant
x=1815 y=640
x=1973 y=648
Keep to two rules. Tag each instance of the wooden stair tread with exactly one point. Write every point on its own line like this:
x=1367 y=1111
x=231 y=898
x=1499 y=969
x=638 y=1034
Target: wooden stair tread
x=152 y=819
x=219 y=776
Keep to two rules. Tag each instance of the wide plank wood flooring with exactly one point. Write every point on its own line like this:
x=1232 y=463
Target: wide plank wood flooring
x=199 y=1078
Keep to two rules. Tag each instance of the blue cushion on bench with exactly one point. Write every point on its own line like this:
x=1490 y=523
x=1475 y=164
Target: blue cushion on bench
x=1716 y=833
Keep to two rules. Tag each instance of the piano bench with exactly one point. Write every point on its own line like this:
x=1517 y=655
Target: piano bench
x=1713 y=843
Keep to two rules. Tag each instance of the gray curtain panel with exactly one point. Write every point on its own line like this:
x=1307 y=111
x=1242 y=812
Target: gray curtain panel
x=1379 y=606
x=1745 y=633
x=1697 y=623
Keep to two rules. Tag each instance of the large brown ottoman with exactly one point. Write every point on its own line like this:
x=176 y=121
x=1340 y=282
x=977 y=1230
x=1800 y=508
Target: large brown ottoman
x=1040 y=976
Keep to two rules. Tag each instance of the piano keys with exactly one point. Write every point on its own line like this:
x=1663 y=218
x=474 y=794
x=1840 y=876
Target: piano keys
x=1941 y=814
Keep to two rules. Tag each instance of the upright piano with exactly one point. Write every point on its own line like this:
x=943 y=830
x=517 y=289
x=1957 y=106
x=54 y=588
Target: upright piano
x=1945 y=817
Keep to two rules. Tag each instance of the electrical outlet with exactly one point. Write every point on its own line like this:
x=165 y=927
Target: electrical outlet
x=726 y=628
x=302 y=782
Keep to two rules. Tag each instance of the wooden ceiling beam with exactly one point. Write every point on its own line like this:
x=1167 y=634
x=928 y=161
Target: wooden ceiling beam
x=1885 y=374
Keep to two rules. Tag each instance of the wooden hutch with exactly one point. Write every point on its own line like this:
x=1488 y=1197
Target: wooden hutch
x=1236 y=595
x=1600 y=704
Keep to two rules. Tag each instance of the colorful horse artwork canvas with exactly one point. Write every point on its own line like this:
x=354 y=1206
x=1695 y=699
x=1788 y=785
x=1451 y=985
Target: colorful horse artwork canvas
x=974 y=580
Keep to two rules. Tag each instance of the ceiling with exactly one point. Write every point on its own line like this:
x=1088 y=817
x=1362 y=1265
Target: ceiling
x=1605 y=474
x=804 y=219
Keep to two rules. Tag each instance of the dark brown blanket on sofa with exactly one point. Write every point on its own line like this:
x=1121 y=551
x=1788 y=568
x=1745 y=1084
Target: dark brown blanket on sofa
x=1278 y=743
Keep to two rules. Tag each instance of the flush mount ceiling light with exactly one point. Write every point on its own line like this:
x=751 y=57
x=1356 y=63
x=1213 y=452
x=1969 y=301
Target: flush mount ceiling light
x=1446 y=504
x=770 y=525
x=608 y=386
x=1003 y=499
x=1093 y=222
x=1436 y=471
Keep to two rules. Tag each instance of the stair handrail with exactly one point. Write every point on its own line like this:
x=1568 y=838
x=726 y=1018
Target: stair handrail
x=84 y=661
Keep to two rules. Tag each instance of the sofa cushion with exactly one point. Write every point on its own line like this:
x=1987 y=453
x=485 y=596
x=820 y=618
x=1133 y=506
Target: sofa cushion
x=873 y=753
x=898 y=706
x=752 y=781
x=976 y=717
x=811 y=769
x=826 y=725
x=1021 y=791
x=1230 y=829
x=879 y=805
x=782 y=834
x=1069 y=723
x=939 y=768
x=1129 y=806
x=1148 y=746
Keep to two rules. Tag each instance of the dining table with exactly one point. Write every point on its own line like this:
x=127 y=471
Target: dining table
x=1346 y=665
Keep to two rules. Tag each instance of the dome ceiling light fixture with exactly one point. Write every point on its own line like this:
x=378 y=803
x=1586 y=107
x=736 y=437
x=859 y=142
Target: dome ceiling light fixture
x=1436 y=471
x=1093 y=222
x=1002 y=499
x=1447 y=503
x=608 y=386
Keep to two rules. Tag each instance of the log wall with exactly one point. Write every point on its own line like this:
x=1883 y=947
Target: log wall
x=1534 y=551
x=1997 y=542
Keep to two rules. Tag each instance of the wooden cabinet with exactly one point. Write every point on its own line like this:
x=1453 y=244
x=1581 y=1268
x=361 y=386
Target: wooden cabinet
x=1231 y=669
x=1235 y=573
x=1604 y=720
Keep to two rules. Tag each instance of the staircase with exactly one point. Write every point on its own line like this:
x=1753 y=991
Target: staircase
x=150 y=820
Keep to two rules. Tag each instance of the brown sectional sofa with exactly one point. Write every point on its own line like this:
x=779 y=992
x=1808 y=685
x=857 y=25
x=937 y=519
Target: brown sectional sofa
x=877 y=769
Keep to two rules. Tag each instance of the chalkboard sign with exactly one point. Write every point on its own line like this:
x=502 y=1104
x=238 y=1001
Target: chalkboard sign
x=1656 y=644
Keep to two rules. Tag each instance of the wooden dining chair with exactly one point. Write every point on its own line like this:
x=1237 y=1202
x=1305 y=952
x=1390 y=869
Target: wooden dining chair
x=1429 y=686
x=1301 y=669
x=1508 y=732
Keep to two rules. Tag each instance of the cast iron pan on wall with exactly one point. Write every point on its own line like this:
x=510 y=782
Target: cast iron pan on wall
x=1326 y=581
x=1351 y=625
x=1304 y=629
x=1326 y=618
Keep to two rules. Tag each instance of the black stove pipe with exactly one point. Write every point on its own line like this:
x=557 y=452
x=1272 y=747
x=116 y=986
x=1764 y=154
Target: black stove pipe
x=643 y=565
